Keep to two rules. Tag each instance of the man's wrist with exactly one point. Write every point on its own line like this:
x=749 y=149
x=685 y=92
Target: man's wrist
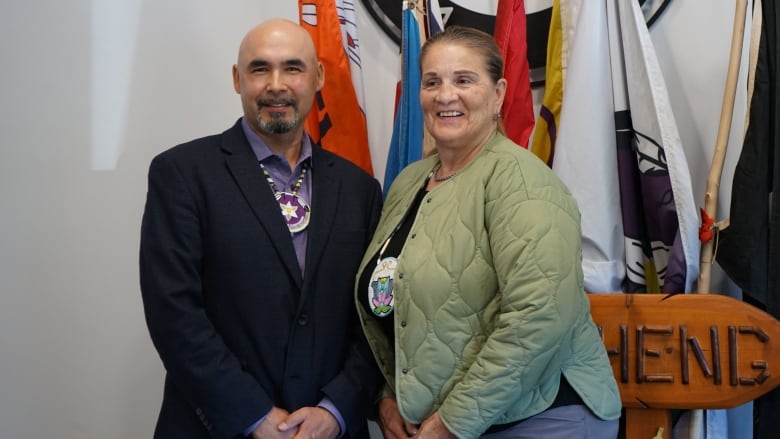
x=328 y=405
x=253 y=427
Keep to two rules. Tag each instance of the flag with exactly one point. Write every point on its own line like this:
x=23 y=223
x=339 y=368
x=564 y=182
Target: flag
x=660 y=215
x=349 y=39
x=619 y=152
x=434 y=23
x=337 y=122
x=433 y=17
x=585 y=147
x=406 y=143
x=510 y=34
x=749 y=249
x=545 y=131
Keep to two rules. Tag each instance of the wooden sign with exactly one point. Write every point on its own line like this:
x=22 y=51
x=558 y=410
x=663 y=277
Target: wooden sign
x=686 y=351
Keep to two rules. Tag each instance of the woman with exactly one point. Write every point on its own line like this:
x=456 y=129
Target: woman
x=471 y=292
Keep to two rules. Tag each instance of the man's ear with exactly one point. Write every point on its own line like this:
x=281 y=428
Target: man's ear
x=236 y=86
x=320 y=75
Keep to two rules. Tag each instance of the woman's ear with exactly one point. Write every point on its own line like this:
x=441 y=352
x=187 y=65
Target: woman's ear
x=500 y=93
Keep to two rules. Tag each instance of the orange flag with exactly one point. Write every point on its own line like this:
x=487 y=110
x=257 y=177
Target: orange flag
x=510 y=35
x=337 y=122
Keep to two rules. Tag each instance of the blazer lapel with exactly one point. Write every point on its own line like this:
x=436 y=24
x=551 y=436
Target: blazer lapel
x=242 y=164
x=324 y=205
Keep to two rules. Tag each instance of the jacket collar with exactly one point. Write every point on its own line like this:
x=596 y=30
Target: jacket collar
x=242 y=165
x=325 y=187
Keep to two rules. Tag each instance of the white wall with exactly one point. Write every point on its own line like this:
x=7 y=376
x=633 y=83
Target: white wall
x=89 y=92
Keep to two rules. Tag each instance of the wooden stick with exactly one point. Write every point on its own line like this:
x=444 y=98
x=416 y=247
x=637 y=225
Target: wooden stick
x=721 y=142
x=716 y=169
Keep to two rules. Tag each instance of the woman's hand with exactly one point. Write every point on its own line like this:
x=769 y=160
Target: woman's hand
x=433 y=428
x=391 y=423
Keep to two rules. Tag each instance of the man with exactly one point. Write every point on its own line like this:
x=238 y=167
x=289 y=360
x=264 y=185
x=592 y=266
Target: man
x=249 y=247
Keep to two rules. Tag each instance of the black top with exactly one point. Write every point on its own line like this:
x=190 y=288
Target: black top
x=393 y=249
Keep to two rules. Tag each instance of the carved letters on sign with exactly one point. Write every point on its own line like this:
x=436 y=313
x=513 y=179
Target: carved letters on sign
x=652 y=342
x=687 y=351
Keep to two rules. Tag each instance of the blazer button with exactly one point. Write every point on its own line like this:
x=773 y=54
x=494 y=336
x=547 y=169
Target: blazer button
x=403 y=324
x=303 y=320
x=400 y=275
x=404 y=371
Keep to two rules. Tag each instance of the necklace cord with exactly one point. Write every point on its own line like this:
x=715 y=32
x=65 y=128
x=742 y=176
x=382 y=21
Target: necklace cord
x=398 y=226
x=438 y=179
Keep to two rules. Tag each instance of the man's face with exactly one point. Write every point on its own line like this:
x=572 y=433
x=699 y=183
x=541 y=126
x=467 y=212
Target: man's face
x=277 y=75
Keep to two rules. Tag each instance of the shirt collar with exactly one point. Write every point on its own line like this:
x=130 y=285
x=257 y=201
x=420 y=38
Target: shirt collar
x=262 y=151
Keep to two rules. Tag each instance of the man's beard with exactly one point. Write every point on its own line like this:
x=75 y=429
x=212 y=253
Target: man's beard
x=277 y=124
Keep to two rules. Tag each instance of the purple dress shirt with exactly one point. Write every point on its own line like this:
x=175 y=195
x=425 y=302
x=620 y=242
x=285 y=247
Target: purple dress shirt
x=284 y=178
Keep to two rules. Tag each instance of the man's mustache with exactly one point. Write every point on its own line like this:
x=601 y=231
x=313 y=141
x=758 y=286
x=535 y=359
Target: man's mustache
x=276 y=102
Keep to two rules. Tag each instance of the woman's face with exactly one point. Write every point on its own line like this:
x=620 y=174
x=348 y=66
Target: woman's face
x=458 y=97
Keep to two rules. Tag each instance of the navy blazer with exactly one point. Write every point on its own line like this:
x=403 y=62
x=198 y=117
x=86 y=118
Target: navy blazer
x=239 y=329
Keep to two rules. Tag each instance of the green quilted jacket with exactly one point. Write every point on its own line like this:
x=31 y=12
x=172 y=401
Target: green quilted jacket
x=489 y=299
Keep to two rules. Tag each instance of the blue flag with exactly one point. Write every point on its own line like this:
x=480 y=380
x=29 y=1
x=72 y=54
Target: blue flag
x=407 y=139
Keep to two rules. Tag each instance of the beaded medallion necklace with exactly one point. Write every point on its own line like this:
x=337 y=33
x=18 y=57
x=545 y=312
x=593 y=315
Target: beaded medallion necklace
x=295 y=210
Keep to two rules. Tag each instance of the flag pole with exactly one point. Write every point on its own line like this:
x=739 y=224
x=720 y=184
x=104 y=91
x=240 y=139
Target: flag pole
x=716 y=168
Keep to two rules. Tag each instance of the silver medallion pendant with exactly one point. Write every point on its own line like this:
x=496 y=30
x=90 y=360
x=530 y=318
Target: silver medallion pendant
x=381 y=297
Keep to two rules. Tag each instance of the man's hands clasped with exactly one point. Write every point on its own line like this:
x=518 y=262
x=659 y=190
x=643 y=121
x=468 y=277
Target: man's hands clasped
x=304 y=423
